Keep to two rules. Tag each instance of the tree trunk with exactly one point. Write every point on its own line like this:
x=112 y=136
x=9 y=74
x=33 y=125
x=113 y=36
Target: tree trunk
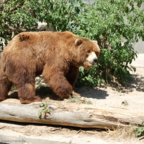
x=69 y=114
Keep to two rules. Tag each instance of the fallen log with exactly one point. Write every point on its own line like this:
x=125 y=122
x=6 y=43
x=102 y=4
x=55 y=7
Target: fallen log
x=83 y=116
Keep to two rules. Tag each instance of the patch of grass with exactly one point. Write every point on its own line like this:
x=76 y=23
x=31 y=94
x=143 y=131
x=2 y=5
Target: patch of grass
x=121 y=133
x=77 y=99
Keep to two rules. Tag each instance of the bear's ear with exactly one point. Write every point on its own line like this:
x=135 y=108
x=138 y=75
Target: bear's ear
x=78 y=42
x=95 y=42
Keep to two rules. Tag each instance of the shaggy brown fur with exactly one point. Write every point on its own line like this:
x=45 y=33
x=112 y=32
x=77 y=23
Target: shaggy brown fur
x=55 y=55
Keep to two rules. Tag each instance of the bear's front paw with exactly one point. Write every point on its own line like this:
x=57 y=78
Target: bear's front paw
x=30 y=100
x=64 y=92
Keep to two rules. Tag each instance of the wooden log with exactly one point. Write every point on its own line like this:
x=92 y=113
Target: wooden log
x=83 y=116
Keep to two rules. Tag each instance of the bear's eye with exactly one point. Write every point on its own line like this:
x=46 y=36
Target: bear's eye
x=88 y=51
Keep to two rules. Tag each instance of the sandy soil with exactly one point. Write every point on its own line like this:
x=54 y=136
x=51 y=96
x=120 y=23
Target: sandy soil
x=131 y=97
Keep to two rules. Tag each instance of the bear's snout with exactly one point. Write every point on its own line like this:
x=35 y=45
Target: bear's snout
x=92 y=58
x=95 y=60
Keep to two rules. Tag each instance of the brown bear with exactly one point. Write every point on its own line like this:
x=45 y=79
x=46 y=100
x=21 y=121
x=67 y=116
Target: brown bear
x=55 y=55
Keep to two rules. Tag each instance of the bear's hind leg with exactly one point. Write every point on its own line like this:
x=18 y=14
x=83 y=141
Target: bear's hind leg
x=26 y=94
x=5 y=86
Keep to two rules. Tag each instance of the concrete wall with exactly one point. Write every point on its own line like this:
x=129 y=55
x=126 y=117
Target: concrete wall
x=139 y=46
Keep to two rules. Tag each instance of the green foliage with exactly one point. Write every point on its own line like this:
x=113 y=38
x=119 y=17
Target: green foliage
x=140 y=130
x=44 y=111
x=115 y=24
x=17 y=16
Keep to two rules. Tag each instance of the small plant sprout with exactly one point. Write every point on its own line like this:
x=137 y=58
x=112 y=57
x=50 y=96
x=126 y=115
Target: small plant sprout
x=140 y=130
x=125 y=103
x=45 y=111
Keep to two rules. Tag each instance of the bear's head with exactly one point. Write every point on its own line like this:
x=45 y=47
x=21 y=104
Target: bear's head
x=86 y=52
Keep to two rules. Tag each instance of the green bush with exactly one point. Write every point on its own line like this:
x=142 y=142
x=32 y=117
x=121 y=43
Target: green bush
x=115 y=24
x=140 y=130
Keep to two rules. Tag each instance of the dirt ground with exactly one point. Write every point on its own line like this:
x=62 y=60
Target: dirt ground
x=131 y=97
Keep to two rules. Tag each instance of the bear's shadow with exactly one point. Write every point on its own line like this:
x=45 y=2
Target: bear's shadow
x=94 y=93
x=43 y=92
x=87 y=92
